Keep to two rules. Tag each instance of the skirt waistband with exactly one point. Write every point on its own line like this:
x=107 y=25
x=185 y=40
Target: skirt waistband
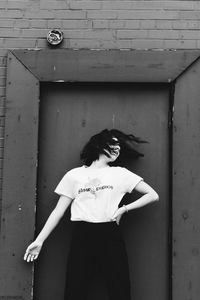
x=94 y=224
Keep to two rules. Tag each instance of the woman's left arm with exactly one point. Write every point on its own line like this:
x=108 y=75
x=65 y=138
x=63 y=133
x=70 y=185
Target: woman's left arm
x=149 y=196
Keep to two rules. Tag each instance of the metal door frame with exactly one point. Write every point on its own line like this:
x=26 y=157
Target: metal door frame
x=26 y=69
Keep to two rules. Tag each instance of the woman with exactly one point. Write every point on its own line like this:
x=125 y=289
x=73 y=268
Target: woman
x=95 y=191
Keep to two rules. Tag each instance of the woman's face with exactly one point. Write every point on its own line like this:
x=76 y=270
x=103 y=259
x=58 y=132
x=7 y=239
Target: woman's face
x=114 y=151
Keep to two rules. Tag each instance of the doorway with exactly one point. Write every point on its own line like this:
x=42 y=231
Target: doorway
x=69 y=114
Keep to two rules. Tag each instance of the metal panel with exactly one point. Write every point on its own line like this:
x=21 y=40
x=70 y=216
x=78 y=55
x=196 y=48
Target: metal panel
x=19 y=180
x=70 y=114
x=107 y=65
x=186 y=182
x=172 y=64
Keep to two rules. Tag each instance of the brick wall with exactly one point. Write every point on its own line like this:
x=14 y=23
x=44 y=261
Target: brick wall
x=95 y=24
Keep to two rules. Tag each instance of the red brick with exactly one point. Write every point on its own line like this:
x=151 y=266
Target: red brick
x=39 y=23
x=148 y=5
x=163 y=34
x=3 y=4
x=2 y=81
x=107 y=44
x=1 y=160
x=180 y=44
x=100 y=24
x=2 y=111
x=1 y=142
x=69 y=14
x=88 y=34
x=39 y=14
x=2 y=45
x=44 y=4
x=115 y=24
x=112 y=24
x=6 y=23
x=84 y=44
x=18 y=4
x=196 y=5
x=184 y=24
x=54 y=24
x=110 y=5
x=117 y=44
x=2 y=122
x=3 y=60
x=85 y=5
x=42 y=43
x=2 y=100
x=1 y=135
x=19 y=43
x=2 y=41
x=22 y=24
x=177 y=5
x=147 y=24
x=189 y=15
x=3 y=53
x=147 y=44
x=36 y=33
x=163 y=24
x=11 y=14
x=1 y=154
x=189 y=34
x=147 y=14
x=76 y=24
x=10 y=32
x=132 y=34
x=2 y=71
x=198 y=44
x=106 y=14
x=1 y=173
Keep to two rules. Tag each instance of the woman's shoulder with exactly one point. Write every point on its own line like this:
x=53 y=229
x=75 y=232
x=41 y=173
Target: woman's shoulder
x=75 y=171
x=123 y=171
x=118 y=168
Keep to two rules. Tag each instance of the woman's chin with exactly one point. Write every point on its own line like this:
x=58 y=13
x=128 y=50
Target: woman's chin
x=112 y=159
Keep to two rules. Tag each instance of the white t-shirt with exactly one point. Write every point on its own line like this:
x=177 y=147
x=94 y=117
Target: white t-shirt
x=96 y=193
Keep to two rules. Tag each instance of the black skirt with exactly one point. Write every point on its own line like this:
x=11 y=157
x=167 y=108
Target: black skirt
x=98 y=244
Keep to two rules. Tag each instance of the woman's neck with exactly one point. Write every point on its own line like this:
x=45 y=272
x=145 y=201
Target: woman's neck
x=99 y=164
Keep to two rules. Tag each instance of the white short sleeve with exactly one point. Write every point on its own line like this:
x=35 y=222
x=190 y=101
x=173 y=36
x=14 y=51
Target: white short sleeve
x=66 y=186
x=130 y=180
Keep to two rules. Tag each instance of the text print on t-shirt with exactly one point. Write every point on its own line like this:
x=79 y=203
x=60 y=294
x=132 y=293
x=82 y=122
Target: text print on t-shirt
x=94 y=185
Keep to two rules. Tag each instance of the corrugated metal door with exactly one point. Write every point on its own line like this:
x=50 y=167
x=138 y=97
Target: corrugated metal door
x=69 y=115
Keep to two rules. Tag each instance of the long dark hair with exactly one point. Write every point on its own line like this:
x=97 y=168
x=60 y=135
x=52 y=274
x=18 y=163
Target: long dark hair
x=102 y=141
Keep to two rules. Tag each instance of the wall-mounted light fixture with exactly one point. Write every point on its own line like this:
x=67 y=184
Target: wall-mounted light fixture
x=55 y=37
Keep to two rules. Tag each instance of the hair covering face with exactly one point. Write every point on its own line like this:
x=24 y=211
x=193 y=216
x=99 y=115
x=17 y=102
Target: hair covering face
x=105 y=142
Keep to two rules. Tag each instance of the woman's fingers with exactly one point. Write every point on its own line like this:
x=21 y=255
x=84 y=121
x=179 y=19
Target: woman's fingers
x=32 y=253
x=25 y=256
x=117 y=216
x=36 y=256
x=31 y=257
x=27 y=253
x=28 y=258
x=118 y=219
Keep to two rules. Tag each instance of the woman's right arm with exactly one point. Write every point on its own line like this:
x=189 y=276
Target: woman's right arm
x=34 y=248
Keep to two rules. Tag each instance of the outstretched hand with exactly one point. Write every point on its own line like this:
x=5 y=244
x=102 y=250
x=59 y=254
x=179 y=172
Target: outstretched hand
x=118 y=214
x=33 y=251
